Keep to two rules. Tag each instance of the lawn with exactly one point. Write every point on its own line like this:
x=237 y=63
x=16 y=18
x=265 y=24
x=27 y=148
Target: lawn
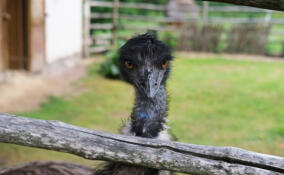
x=214 y=101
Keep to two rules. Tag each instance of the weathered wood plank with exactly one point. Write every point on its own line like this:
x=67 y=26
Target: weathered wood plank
x=235 y=9
x=245 y=20
x=265 y=4
x=86 y=28
x=101 y=15
x=99 y=49
x=149 y=27
x=102 y=26
x=96 y=145
x=115 y=17
x=146 y=6
x=155 y=19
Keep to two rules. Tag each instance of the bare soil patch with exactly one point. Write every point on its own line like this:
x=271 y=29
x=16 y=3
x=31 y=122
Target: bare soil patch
x=23 y=91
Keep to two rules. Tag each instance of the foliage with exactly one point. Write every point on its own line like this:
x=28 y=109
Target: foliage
x=195 y=37
x=208 y=37
x=109 y=68
x=250 y=39
x=170 y=38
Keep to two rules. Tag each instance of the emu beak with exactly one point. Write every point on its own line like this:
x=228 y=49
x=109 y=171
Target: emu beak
x=152 y=84
x=149 y=81
x=150 y=90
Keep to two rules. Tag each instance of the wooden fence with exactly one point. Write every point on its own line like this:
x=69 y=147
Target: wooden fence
x=158 y=154
x=102 y=42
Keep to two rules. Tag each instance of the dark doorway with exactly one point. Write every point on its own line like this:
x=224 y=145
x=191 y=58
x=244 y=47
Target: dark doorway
x=16 y=31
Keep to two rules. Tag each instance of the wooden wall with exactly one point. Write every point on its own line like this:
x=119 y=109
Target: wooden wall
x=1 y=40
x=3 y=46
x=36 y=40
x=22 y=34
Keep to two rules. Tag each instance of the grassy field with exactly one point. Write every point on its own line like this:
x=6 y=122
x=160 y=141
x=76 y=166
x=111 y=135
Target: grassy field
x=213 y=101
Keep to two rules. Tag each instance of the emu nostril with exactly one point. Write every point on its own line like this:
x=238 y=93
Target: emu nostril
x=156 y=84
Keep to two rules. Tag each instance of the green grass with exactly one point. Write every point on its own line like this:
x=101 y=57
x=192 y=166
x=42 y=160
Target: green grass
x=212 y=102
x=226 y=102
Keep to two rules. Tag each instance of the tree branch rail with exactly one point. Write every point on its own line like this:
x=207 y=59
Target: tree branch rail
x=173 y=156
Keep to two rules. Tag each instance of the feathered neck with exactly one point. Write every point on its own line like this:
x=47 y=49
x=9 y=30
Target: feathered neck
x=149 y=114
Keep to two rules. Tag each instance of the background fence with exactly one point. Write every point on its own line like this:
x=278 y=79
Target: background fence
x=208 y=27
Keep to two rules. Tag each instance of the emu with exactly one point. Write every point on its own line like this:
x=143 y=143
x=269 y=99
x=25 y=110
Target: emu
x=144 y=63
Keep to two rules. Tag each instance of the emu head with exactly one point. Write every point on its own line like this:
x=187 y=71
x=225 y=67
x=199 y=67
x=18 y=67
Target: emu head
x=145 y=63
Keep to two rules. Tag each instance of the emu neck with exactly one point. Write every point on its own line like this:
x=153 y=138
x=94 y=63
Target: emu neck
x=148 y=115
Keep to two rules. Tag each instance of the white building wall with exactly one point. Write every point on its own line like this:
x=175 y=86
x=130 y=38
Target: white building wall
x=63 y=29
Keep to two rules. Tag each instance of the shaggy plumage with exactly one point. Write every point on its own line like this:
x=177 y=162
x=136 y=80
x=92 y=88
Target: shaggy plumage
x=144 y=63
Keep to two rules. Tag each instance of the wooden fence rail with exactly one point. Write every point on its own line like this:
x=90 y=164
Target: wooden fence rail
x=149 y=6
x=173 y=156
x=145 y=6
x=161 y=19
x=264 y=4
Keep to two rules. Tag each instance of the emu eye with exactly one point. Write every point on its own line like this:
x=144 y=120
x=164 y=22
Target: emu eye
x=128 y=64
x=164 y=65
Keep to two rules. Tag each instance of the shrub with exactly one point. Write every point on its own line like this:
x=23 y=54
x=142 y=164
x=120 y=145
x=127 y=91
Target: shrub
x=209 y=38
x=170 y=38
x=109 y=68
x=250 y=39
x=205 y=38
x=187 y=38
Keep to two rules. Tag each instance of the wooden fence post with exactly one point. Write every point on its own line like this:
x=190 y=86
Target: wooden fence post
x=205 y=12
x=115 y=15
x=267 y=17
x=86 y=27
